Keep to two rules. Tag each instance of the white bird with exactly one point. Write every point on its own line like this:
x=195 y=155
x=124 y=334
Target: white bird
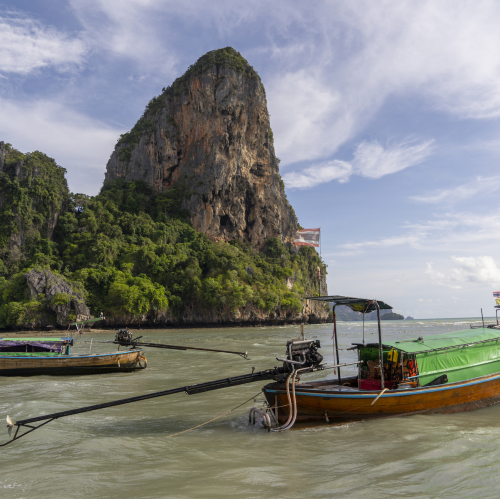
x=10 y=425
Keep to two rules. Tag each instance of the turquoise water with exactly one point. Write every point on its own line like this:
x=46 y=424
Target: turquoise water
x=126 y=452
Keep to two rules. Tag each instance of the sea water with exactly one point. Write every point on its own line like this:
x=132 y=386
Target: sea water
x=132 y=451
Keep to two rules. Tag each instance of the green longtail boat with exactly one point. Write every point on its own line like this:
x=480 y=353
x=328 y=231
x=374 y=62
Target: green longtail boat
x=38 y=356
x=442 y=373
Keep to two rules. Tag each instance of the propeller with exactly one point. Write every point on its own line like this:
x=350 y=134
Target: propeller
x=10 y=425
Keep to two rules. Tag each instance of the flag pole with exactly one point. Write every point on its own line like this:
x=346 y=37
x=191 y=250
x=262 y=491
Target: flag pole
x=320 y=259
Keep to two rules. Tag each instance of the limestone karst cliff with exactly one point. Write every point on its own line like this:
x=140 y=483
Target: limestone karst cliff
x=209 y=135
x=190 y=228
x=133 y=256
x=59 y=298
x=33 y=191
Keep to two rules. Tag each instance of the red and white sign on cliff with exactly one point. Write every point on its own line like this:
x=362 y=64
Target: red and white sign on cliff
x=307 y=237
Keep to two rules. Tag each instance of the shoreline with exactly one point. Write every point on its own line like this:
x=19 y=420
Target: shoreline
x=65 y=333
x=109 y=328
x=59 y=332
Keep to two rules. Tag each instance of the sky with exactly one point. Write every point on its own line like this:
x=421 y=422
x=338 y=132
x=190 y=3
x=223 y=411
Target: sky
x=385 y=115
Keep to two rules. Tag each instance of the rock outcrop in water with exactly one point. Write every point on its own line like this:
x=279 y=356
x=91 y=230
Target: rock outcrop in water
x=209 y=136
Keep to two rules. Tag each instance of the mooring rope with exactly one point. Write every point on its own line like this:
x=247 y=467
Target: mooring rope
x=218 y=417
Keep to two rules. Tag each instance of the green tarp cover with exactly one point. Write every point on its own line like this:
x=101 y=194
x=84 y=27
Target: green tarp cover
x=460 y=363
x=444 y=340
x=460 y=356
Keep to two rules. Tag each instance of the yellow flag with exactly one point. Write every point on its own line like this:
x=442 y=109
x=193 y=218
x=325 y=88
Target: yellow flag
x=498 y=301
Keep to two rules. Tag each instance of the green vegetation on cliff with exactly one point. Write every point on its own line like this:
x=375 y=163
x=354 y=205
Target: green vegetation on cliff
x=128 y=237
x=16 y=307
x=33 y=190
x=221 y=58
x=135 y=254
x=344 y=313
x=392 y=316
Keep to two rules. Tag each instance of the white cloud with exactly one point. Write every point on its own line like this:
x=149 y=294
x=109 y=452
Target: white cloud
x=482 y=269
x=412 y=240
x=373 y=161
x=309 y=118
x=440 y=235
x=415 y=46
x=480 y=185
x=128 y=29
x=26 y=45
x=151 y=33
x=464 y=229
x=366 y=52
x=370 y=160
x=76 y=142
x=467 y=270
x=318 y=174
x=327 y=70
x=439 y=278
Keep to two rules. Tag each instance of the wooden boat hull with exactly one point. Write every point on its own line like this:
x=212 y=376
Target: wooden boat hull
x=72 y=364
x=329 y=403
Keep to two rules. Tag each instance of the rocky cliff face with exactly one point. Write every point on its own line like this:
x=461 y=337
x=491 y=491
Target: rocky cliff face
x=60 y=297
x=209 y=135
x=193 y=315
x=33 y=191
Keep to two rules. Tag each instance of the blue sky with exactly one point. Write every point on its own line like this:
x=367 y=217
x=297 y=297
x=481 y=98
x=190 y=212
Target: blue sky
x=386 y=118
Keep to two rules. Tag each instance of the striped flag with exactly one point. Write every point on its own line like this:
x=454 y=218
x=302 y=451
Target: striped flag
x=307 y=237
x=496 y=294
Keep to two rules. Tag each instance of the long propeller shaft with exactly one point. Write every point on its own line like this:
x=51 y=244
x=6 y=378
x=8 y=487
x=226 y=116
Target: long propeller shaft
x=190 y=390
x=172 y=347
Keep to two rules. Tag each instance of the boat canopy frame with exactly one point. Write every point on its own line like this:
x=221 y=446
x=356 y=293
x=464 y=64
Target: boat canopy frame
x=363 y=305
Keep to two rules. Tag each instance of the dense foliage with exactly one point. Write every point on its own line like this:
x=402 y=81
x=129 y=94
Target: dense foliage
x=16 y=307
x=33 y=190
x=135 y=254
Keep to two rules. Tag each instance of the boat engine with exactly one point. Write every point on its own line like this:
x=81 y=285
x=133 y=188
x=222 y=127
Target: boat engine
x=302 y=354
x=124 y=336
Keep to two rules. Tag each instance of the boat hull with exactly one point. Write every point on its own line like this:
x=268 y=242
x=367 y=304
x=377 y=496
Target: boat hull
x=72 y=364
x=324 y=402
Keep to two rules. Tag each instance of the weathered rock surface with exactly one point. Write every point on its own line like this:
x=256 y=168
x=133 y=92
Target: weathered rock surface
x=209 y=133
x=3 y=153
x=33 y=192
x=195 y=316
x=60 y=296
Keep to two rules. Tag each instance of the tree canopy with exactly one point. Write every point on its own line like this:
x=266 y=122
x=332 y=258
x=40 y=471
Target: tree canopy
x=135 y=253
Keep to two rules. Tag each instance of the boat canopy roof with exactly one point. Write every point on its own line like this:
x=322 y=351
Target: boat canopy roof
x=355 y=304
x=445 y=340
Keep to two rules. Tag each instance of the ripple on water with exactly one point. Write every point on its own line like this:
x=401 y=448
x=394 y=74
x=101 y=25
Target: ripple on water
x=125 y=452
